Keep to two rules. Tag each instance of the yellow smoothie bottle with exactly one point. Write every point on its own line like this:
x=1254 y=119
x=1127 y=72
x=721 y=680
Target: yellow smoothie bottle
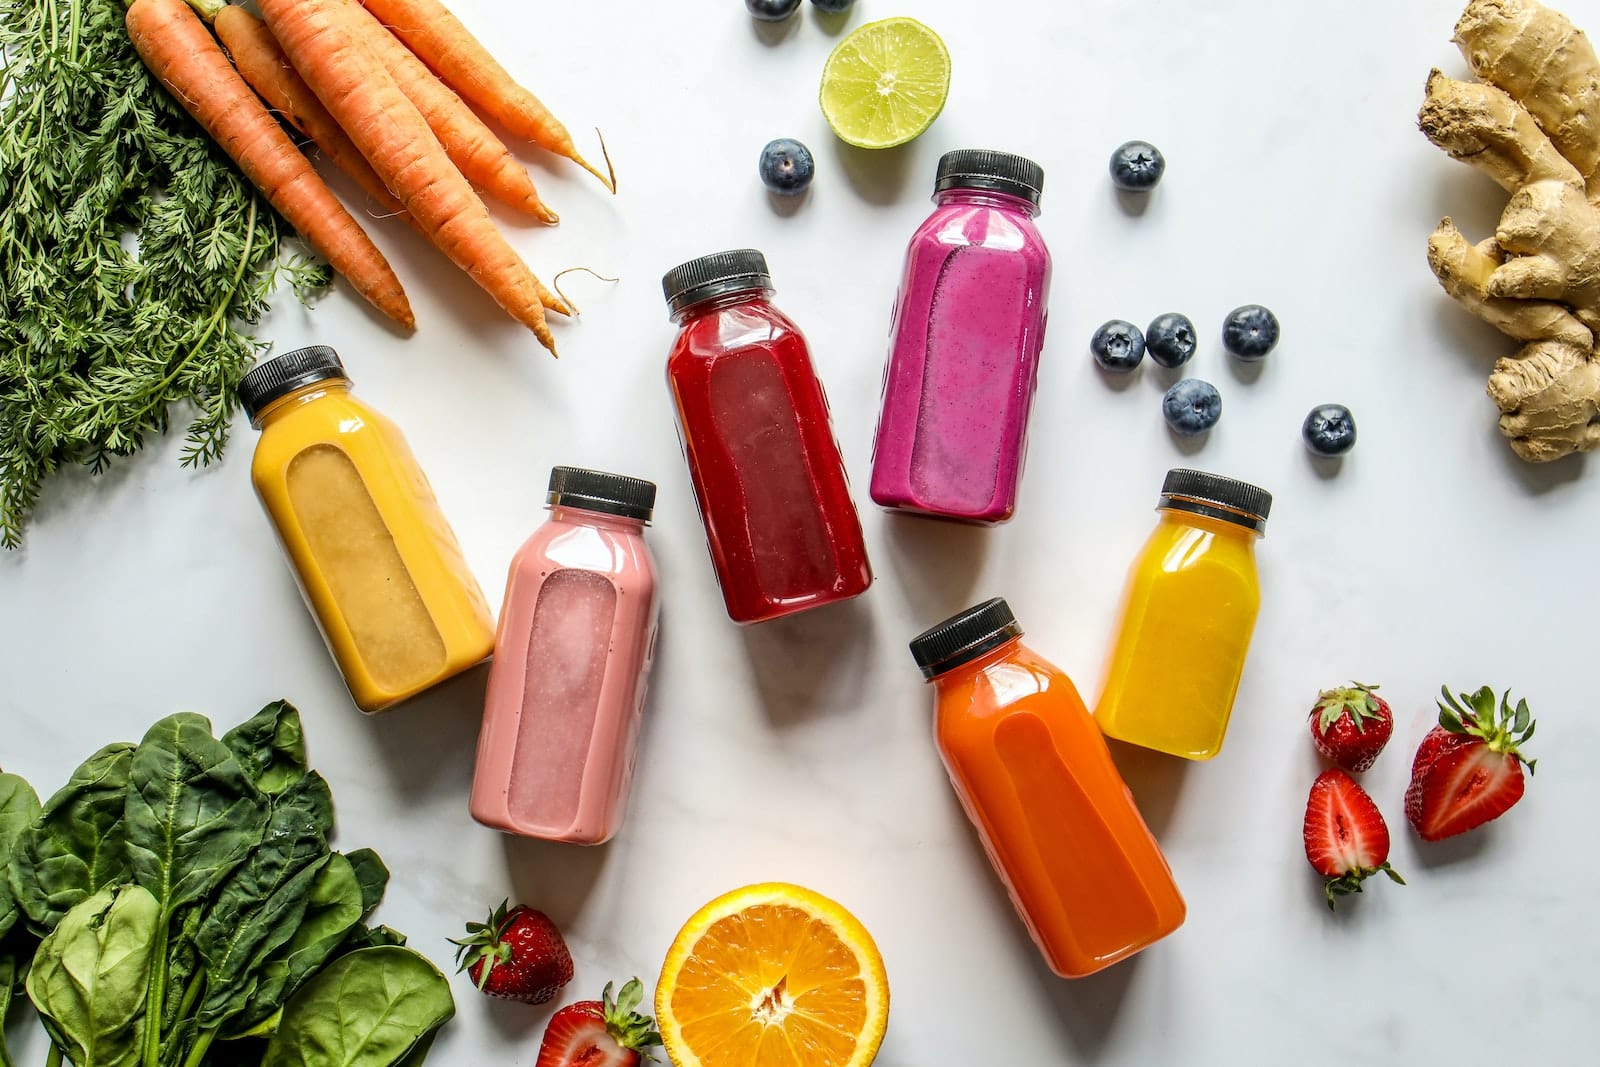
x=1187 y=617
x=377 y=563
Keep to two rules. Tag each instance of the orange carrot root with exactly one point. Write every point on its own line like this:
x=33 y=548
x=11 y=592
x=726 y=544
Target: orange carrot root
x=329 y=48
x=182 y=54
x=440 y=40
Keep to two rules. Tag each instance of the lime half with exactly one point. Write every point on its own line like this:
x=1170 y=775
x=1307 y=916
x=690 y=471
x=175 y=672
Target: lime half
x=885 y=83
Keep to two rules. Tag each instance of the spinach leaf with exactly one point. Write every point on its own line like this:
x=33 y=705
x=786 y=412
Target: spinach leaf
x=270 y=746
x=333 y=909
x=88 y=978
x=368 y=1009
x=192 y=813
x=263 y=902
x=76 y=845
x=371 y=936
x=372 y=875
x=19 y=807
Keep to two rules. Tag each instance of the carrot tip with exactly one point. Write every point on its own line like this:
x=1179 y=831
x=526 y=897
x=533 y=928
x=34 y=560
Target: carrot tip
x=609 y=180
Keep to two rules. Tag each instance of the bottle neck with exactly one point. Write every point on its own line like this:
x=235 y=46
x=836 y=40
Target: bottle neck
x=1222 y=527
x=963 y=671
x=720 y=302
x=987 y=198
x=602 y=519
x=306 y=394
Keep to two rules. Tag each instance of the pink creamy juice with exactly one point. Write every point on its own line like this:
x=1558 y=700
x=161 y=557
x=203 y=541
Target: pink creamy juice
x=567 y=686
x=964 y=358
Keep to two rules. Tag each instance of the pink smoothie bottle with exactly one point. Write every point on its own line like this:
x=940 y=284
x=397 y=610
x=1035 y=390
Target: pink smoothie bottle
x=964 y=356
x=571 y=656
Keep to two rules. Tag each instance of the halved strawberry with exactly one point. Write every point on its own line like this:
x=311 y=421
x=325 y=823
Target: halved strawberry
x=1351 y=725
x=599 y=1033
x=1345 y=835
x=1468 y=770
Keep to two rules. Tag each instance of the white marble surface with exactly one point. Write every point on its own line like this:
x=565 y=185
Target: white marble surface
x=801 y=750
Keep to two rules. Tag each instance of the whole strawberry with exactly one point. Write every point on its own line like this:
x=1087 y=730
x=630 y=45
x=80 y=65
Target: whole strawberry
x=600 y=1033
x=1350 y=726
x=517 y=955
x=1346 y=839
x=1468 y=770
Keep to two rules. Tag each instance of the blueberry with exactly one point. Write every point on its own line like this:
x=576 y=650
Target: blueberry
x=1330 y=430
x=1170 y=339
x=1250 y=332
x=1192 y=406
x=771 y=10
x=1137 y=166
x=787 y=167
x=1118 y=346
x=833 y=7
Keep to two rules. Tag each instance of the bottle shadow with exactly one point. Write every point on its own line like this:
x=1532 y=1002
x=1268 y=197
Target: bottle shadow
x=429 y=742
x=936 y=563
x=1155 y=779
x=797 y=660
x=878 y=175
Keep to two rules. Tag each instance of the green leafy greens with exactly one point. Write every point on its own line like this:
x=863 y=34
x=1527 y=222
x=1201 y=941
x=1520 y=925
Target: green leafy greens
x=130 y=252
x=193 y=913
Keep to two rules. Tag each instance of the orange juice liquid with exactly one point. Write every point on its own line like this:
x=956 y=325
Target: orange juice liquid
x=379 y=567
x=1035 y=777
x=1187 y=617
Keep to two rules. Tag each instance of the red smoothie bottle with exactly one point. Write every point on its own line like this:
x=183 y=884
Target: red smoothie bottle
x=768 y=478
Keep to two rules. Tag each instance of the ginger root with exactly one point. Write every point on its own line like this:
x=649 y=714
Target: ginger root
x=1533 y=125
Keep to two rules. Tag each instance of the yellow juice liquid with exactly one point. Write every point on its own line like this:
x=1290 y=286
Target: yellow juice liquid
x=379 y=566
x=1190 y=608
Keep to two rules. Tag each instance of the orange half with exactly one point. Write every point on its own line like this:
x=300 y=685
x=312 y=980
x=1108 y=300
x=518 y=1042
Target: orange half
x=772 y=976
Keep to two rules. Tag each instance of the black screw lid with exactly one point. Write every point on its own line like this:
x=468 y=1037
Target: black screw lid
x=963 y=638
x=1217 y=497
x=284 y=374
x=980 y=168
x=715 y=275
x=613 y=494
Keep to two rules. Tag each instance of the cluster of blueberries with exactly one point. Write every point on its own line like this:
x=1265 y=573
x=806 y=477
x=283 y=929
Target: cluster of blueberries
x=1193 y=405
x=778 y=10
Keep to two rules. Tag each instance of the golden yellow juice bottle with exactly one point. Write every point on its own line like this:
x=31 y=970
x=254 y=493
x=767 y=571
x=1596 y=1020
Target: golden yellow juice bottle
x=1187 y=616
x=379 y=567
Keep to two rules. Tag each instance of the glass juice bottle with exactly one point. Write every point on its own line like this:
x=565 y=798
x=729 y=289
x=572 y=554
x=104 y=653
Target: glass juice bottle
x=1037 y=781
x=1187 y=616
x=768 y=477
x=964 y=353
x=376 y=560
x=567 y=687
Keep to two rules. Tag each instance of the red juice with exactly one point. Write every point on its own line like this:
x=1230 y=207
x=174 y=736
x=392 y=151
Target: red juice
x=768 y=477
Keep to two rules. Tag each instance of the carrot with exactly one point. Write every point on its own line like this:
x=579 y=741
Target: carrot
x=480 y=156
x=440 y=40
x=182 y=54
x=256 y=54
x=329 y=49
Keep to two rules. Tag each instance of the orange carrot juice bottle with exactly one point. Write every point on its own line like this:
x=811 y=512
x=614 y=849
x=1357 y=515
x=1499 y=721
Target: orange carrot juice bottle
x=1036 y=779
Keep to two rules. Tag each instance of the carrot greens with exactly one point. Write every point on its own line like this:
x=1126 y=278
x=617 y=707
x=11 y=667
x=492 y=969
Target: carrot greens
x=131 y=254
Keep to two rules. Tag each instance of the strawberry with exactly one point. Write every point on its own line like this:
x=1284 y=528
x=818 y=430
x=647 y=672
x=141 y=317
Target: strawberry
x=600 y=1033
x=516 y=955
x=1350 y=726
x=1346 y=838
x=1468 y=769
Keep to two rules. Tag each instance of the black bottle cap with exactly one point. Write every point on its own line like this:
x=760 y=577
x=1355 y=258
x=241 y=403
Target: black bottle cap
x=715 y=275
x=284 y=374
x=963 y=638
x=1217 y=497
x=613 y=494
x=980 y=168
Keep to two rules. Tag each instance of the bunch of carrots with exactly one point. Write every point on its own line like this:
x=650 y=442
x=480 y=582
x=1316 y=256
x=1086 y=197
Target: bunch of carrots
x=378 y=86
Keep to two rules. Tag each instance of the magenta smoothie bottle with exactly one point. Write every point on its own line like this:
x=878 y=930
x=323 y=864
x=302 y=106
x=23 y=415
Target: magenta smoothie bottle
x=574 y=646
x=964 y=355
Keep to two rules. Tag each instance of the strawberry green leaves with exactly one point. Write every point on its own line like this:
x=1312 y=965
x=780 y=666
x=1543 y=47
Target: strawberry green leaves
x=1474 y=715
